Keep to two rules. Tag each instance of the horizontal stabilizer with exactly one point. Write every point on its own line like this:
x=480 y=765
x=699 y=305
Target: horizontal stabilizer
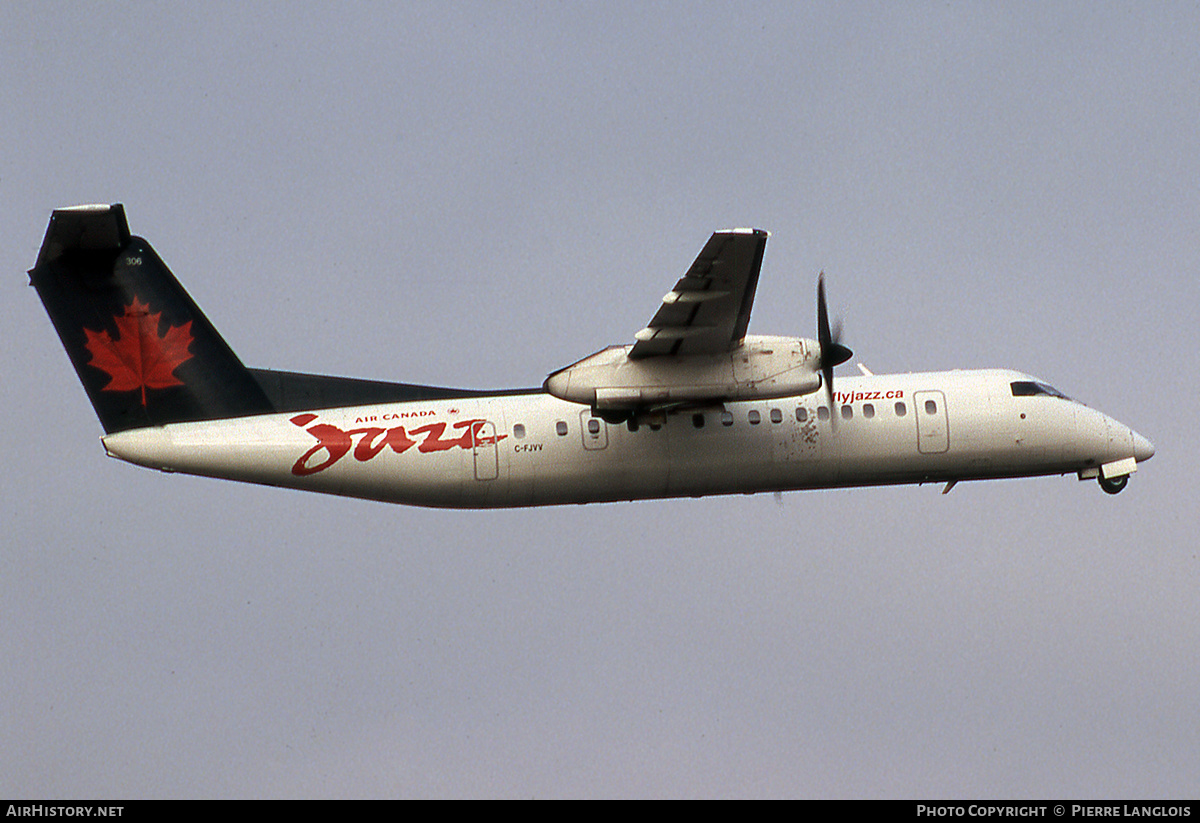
x=87 y=229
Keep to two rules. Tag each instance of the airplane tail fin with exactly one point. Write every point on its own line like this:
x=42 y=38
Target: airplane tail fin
x=144 y=351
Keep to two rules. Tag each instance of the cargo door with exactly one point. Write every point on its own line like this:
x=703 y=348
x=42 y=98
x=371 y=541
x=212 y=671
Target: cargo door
x=483 y=448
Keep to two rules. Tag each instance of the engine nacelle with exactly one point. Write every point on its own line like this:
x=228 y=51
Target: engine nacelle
x=761 y=368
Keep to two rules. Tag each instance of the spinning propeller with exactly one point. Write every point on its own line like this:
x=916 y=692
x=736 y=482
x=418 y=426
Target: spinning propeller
x=833 y=353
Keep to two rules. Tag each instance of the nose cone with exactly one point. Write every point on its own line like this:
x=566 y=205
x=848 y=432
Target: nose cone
x=1143 y=449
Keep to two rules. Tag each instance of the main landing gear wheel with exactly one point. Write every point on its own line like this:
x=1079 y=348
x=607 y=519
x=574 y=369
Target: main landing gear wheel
x=1112 y=485
x=613 y=418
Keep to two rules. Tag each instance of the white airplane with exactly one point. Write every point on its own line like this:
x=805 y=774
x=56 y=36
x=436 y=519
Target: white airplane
x=693 y=407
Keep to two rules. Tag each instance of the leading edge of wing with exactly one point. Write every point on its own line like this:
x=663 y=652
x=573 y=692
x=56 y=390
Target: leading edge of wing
x=708 y=310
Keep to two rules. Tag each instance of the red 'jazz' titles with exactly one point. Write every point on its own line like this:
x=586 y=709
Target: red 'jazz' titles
x=336 y=443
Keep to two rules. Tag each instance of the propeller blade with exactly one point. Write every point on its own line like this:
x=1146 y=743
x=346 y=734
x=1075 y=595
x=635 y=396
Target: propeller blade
x=833 y=353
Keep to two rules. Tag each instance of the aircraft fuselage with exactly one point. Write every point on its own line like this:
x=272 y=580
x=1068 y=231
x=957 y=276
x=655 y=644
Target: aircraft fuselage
x=531 y=449
x=695 y=406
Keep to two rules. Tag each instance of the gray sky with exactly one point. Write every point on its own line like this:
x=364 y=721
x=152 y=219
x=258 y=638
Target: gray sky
x=475 y=195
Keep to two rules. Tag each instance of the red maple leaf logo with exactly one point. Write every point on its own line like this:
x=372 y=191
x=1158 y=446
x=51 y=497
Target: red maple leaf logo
x=140 y=358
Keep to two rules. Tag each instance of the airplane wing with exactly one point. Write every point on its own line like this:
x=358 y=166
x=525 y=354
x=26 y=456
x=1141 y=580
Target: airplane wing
x=708 y=310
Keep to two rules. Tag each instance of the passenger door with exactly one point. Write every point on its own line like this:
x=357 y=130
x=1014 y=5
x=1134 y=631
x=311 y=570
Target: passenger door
x=595 y=431
x=933 y=425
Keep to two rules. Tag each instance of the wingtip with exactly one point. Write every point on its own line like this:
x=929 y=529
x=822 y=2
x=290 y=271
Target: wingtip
x=745 y=230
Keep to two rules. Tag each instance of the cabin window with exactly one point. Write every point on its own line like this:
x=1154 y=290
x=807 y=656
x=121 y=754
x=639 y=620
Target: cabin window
x=801 y=414
x=698 y=420
x=776 y=416
x=822 y=412
x=930 y=407
x=847 y=412
x=561 y=427
x=593 y=426
x=755 y=417
x=868 y=411
x=901 y=409
x=519 y=431
x=726 y=418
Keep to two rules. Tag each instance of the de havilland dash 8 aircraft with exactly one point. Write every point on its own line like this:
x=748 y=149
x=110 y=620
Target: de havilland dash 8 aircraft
x=692 y=406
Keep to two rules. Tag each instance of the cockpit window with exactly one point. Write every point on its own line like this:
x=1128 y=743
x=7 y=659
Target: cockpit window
x=1029 y=388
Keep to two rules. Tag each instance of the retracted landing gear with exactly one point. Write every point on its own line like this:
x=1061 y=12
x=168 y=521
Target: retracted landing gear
x=1113 y=485
x=612 y=418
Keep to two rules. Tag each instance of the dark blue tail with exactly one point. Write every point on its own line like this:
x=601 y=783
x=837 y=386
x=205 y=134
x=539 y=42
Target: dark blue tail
x=145 y=352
